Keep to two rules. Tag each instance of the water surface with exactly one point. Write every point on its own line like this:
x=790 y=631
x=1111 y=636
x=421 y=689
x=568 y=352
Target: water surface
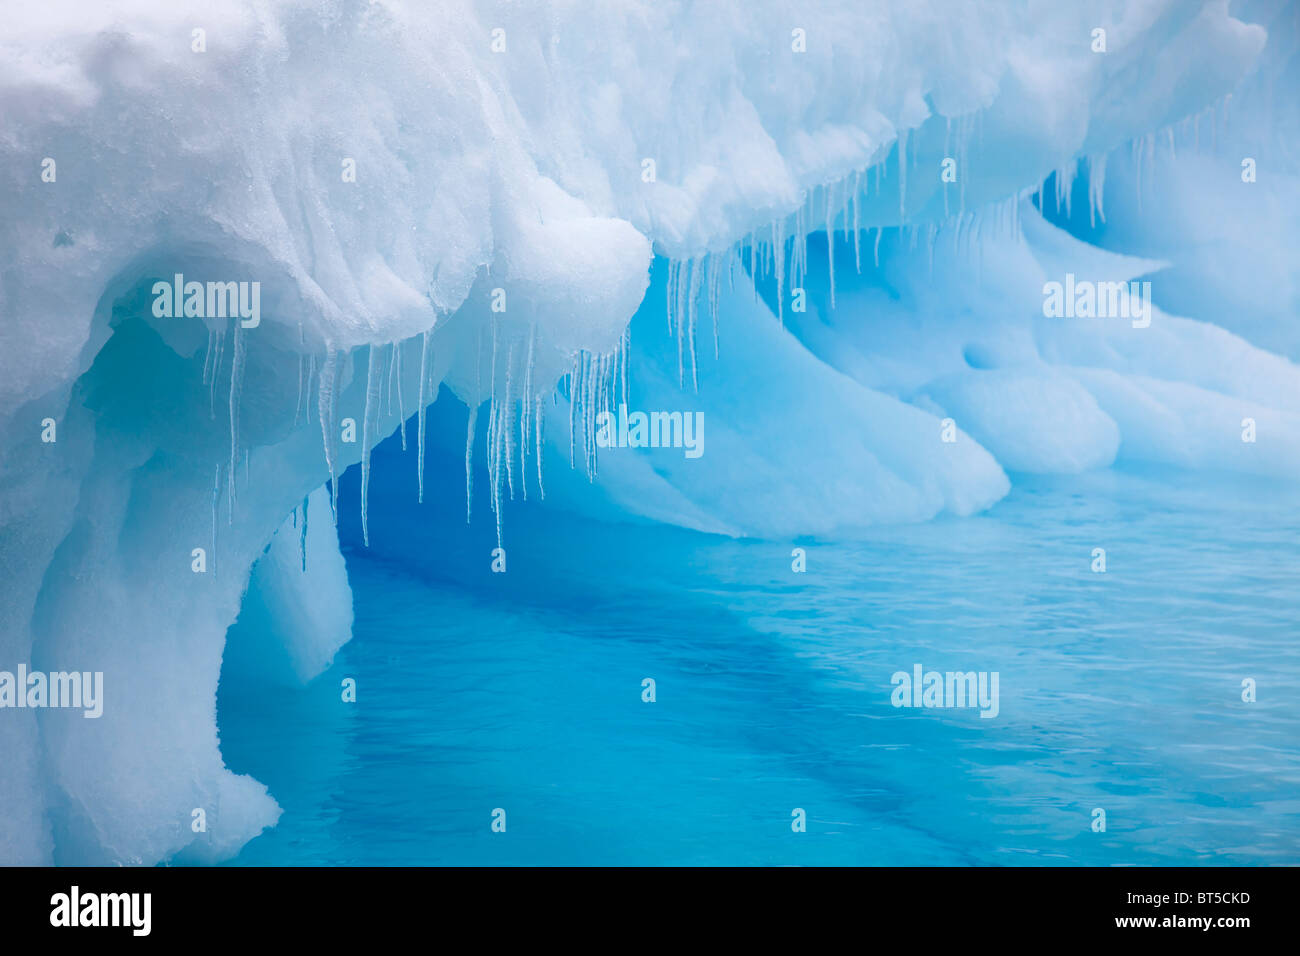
x=523 y=691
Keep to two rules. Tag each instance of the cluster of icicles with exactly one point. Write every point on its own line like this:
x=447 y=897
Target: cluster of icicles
x=598 y=382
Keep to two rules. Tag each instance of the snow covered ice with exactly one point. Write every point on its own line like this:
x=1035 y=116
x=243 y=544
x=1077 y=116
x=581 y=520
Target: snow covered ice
x=548 y=209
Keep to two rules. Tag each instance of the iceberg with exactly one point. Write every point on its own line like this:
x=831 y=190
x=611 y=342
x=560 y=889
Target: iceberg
x=827 y=230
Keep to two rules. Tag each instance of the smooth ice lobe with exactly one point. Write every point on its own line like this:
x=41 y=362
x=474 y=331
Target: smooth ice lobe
x=791 y=446
x=298 y=591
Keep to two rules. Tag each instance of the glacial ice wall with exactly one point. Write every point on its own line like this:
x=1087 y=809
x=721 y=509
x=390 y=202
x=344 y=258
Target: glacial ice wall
x=474 y=195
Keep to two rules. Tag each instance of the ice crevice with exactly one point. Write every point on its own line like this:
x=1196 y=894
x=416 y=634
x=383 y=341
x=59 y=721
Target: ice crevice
x=501 y=238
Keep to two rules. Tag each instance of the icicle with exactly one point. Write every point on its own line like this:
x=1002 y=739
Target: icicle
x=1065 y=185
x=576 y=392
x=850 y=194
x=593 y=408
x=573 y=408
x=680 y=309
x=616 y=376
x=857 y=236
x=236 y=387
x=469 y=461
x=691 y=312
x=302 y=537
x=495 y=444
x=876 y=251
x=589 y=379
x=608 y=384
x=792 y=262
x=496 y=495
x=525 y=424
x=753 y=264
x=220 y=335
x=902 y=175
x=392 y=373
x=672 y=292
x=778 y=250
x=538 y=420
x=373 y=409
x=508 y=431
x=490 y=451
x=527 y=407
x=490 y=454
x=588 y=395
x=491 y=447
x=830 y=245
x=627 y=359
x=1096 y=184
x=715 y=282
x=401 y=403
x=423 y=399
x=327 y=404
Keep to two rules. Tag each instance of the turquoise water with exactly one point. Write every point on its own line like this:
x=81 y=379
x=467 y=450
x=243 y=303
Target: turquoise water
x=1120 y=691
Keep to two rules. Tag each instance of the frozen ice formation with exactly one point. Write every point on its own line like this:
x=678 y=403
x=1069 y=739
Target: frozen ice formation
x=482 y=196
